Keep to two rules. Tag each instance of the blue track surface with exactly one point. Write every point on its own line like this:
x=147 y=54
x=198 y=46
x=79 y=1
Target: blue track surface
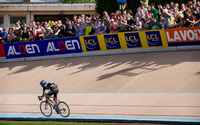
x=100 y=119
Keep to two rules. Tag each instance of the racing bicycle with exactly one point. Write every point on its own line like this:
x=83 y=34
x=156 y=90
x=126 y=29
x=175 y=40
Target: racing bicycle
x=46 y=108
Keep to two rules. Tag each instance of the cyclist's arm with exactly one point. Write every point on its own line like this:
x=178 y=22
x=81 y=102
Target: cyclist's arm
x=43 y=92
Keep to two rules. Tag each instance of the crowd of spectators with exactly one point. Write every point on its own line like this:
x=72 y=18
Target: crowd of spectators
x=147 y=17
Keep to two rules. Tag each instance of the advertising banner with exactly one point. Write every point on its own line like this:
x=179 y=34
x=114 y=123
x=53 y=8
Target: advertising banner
x=132 y=40
x=43 y=48
x=2 y=52
x=112 y=41
x=91 y=43
x=183 y=36
x=154 y=38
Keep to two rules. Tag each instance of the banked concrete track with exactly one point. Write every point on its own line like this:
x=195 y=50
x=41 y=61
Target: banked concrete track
x=160 y=86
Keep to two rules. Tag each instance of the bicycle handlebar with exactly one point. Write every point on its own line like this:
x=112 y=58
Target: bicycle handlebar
x=40 y=98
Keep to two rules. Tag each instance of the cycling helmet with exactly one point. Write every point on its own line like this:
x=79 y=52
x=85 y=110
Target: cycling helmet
x=43 y=81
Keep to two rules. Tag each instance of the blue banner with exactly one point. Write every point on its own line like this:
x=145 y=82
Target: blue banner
x=91 y=43
x=154 y=38
x=112 y=41
x=132 y=40
x=43 y=48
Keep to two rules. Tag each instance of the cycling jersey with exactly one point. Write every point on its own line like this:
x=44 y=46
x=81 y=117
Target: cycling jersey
x=50 y=86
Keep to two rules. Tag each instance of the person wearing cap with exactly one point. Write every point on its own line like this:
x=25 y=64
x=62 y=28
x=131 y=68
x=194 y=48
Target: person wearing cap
x=89 y=30
x=130 y=23
x=17 y=33
x=19 y=25
x=2 y=35
x=113 y=26
x=80 y=29
x=48 y=33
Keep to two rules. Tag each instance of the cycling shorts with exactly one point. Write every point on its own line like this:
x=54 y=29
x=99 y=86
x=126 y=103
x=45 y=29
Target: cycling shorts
x=55 y=93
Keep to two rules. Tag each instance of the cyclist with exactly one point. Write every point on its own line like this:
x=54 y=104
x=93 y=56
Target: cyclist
x=53 y=91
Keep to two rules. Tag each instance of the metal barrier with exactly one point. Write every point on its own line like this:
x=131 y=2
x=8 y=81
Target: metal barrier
x=197 y=24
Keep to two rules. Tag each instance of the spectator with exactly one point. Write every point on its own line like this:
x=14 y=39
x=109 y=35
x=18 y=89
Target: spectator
x=196 y=15
x=138 y=24
x=130 y=23
x=61 y=29
x=13 y=28
x=17 y=33
x=33 y=26
x=154 y=24
x=194 y=2
x=198 y=6
x=55 y=32
x=117 y=14
x=68 y=22
x=18 y=25
x=105 y=16
x=148 y=13
x=142 y=14
x=167 y=17
x=121 y=26
x=177 y=21
x=3 y=35
x=98 y=17
x=81 y=29
x=25 y=34
x=48 y=33
x=74 y=18
x=102 y=29
x=189 y=19
x=183 y=8
x=38 y=32
x=113 y=26
x=96 y=25
x=6 y=29
x=172 y=5
x=190 y=5
x=71 y=31
x=10 y=36
x=89 y=30
x=162 y=20
x=107 y=24
x=154 y=10
x=144 y=24
x=31 y=36
x=83 y=18
x=145 y=2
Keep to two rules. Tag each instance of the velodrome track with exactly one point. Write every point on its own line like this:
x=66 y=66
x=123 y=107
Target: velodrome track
x=159 y=86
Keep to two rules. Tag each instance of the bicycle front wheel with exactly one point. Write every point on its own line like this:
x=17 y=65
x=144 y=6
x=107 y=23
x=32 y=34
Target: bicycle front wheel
x=63 y=109
x=45 y=108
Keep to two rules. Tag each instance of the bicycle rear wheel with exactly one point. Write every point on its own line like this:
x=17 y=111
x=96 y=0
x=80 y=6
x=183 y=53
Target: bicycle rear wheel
x=45 y=108
x=64 y=110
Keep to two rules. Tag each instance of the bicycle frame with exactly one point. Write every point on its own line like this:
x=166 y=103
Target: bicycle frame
x=59 y=110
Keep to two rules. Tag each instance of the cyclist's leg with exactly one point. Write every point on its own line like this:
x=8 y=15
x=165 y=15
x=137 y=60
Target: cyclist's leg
x=48 y=95
x=55 y=97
